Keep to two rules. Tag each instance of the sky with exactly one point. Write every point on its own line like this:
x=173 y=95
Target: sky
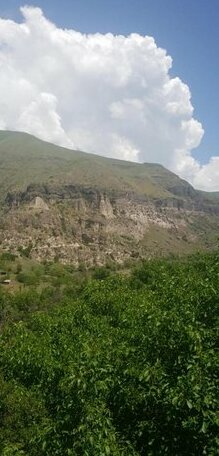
x=132 y=79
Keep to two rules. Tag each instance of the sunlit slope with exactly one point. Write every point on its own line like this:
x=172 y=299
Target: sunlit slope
x=25 y=159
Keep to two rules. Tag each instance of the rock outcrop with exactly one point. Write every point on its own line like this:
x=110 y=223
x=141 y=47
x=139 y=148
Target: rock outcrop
x=77 y=207
x=76 y=224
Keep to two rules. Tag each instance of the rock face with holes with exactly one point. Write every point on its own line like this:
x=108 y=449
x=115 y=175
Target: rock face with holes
x=84 y=225
x=81 y=208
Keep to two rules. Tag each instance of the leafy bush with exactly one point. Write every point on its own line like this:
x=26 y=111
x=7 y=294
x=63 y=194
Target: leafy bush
x=125 y=366
x=101 y=273
x=25 y=251
x=7 y=256
x=27 y=278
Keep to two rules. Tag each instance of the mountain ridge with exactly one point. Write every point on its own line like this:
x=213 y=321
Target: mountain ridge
x=11 y=140
x=81 y=207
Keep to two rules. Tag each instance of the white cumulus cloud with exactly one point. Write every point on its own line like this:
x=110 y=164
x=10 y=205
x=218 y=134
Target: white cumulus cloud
x=111 y=95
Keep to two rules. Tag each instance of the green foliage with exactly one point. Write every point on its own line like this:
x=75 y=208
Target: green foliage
x=18 y=268
x=27 y=278
x=7 y=256
x=25 y=251
x=101 y=273
x=125 y=366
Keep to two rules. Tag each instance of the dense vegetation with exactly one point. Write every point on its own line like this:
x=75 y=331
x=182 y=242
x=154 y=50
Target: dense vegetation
x=114 y=364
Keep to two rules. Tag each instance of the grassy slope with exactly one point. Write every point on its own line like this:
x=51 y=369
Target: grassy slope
x=211 y=196
x=25 y=159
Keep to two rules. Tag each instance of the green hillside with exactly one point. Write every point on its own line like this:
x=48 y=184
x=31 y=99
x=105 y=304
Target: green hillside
x=212 y=196
x=25 y=159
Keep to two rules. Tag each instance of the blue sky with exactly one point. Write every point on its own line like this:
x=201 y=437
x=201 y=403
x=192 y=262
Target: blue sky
x=187 y=29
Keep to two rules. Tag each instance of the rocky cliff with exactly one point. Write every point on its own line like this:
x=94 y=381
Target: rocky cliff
x=92 y=210
x=83 y=225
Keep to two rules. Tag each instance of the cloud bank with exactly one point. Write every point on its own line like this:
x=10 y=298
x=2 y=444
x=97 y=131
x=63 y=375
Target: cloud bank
x=111 y=95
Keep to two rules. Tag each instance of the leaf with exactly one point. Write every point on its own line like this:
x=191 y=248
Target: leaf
x=107 y=448
x=189 y=404
x=204 y=427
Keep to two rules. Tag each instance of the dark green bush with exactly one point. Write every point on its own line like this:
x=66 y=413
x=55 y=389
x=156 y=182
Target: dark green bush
x=101 y=273
x=27 y=278
x=8 y=256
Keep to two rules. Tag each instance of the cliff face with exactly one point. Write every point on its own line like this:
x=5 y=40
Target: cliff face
x=82 y=208
x=77 y=225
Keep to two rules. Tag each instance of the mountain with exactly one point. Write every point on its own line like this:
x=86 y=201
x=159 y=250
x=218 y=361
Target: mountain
x=82 y=208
